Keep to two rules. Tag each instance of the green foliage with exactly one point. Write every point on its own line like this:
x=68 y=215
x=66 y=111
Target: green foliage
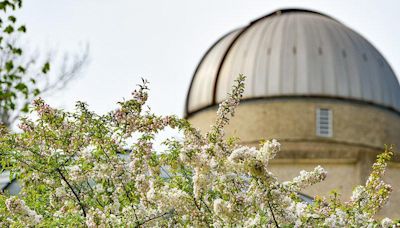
x=15 y=84
x=13 y=4
x=46 y=68
x=23 y=77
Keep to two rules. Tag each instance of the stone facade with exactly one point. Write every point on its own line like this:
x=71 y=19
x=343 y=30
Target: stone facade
x=360 y=131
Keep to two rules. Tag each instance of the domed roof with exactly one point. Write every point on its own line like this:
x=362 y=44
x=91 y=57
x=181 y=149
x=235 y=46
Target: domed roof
x=292 y=53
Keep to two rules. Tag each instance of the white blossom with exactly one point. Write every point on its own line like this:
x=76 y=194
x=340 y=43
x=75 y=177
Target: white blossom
x=243 y=153
x=387 y=222
x=269 y=150
x=17 y=206
x=253 y=222
x=306 y=179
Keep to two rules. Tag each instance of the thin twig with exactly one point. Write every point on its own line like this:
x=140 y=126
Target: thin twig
x=73 y=191
x=273 y=216
x=150 y=219
x=91 y=189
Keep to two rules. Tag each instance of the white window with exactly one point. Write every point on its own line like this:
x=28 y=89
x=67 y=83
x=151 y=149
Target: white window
x=324 y=122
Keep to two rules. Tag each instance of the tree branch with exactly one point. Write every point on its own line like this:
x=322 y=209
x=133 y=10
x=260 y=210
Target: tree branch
x=73 y=191
x=153 y=218
x=273 y=216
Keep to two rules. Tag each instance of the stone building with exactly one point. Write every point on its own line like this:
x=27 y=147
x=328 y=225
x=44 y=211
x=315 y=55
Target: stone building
x=317 y=86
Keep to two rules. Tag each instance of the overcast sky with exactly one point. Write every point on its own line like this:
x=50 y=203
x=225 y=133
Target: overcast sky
x=163 y=41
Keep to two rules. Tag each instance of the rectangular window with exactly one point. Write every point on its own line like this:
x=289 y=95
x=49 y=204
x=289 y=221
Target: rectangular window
x=324 y=122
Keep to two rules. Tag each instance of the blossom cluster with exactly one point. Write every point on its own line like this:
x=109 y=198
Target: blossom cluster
x=88 y=170
x=17 y=207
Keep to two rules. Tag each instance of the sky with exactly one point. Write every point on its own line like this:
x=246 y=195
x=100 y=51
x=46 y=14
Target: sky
x=163 y=41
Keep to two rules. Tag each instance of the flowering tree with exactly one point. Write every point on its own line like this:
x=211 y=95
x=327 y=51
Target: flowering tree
x=84 y=169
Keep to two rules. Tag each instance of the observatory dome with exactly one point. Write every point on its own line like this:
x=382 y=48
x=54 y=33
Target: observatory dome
x=292 y=53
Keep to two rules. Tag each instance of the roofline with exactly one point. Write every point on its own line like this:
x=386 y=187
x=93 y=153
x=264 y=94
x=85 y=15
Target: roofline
x=293 y=10
x=186 y=111
x=222 y=61
x=304 y=97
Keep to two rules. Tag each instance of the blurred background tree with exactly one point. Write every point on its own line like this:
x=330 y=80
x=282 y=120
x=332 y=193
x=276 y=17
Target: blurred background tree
x=25 y=75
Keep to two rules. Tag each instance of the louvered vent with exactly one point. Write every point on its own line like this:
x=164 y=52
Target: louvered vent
x=324 y=122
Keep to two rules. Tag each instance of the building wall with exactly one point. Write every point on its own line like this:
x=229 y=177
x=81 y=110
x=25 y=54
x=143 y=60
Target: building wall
x=294 y=119
x=360 y=132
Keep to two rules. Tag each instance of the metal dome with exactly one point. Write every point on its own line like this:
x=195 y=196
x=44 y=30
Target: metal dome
x=291 y=53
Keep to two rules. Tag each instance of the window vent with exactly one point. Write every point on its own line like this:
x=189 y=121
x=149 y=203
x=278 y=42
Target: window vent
x=324 y=122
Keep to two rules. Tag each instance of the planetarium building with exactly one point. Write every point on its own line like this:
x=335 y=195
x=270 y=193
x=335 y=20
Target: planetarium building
x=317 y=86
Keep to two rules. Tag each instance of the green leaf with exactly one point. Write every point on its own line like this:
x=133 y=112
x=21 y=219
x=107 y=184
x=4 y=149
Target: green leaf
x=22 y=28
x=25 y=108
x=21 y=69
x=46 y=68
x=17 y=51
x=9 y=29
x=12 y=106
x=36 y=92
x=21 y=87
x=12 y=19
x=9 y=46
x=9 y=66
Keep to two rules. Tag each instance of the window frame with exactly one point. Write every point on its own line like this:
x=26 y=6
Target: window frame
x=324 y=122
